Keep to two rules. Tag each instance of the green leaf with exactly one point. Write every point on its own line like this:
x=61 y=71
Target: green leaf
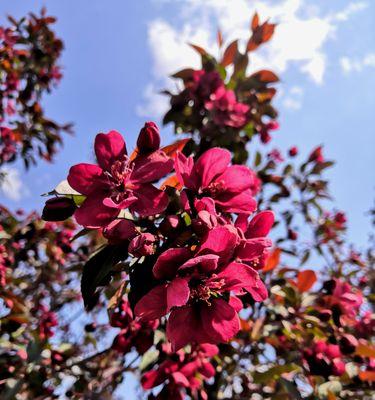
x=149 y=357
x=274 y=373
x=96 y=272
x=258 y=159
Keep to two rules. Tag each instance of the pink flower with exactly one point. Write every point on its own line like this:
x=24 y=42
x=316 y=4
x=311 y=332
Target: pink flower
x=47 y=321
x=231 y=186
x=265 y=136
x=119 y=231
x=345 y=298
x=276 y=155
x=324 y=359
x=134 y=333
x=142 y=245
x=184 y=371
x=226 y=110
x=205 y=83
x=194 y=290
x=253 y=247
x=118 y=182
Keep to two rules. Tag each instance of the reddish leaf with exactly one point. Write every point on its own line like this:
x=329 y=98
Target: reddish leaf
x=255 y=22
x=268 y=30
x=184 y=74
x=173 y=148
x=305 y=280
x=267 y=95
x=229 y=53
x=172 y=181
x=219 y=38
x=265 y=76
x=364 y=350
x=368 y=376
x=261 y=34
x=272 y=261
x=198 y=49
x=134 y=154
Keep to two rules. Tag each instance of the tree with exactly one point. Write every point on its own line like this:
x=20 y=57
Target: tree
x=202 y=303
x=29 y=54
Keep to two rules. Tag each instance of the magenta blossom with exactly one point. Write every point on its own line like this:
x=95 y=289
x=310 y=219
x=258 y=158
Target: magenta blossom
x=134 y=333
x=205 y=83
x=254 y=245
x=142 y=245
x=231 y=186
x=196 y=289
x=183 y=371
x=324 y=359
x=118 y=182
x=226 y=110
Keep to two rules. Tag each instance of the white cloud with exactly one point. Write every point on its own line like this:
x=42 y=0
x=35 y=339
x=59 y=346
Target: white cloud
x=154 y=105
x=11 y=185
x=357 y=64
x=299 y=40
x=351 y=9
x=292 y=100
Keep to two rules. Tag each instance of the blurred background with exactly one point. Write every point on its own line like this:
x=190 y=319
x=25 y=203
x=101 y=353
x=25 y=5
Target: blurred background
x=118 y=54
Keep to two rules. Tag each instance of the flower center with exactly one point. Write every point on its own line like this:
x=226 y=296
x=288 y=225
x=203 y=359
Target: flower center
x=120 y=173
x=216 y=188
x=203 y=290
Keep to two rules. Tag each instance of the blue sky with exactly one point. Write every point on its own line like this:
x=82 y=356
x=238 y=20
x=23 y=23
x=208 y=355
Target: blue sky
x=118 y=55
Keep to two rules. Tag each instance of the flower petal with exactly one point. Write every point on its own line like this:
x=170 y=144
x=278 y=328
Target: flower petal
x=236 y=303
x=109 y=147
x=108 y=201
x=212 y=163
x=237 y=178
x=220 y=241
x=184 y=326
x=168 y=262
x=220 y=320
x=153 y=305
x=93 y=214
x=184 y=167
x=238 y=276
x=150 y=201
x=261 y=224
x=251 y=249
x=204 y=264
x=151 y=168
x=257 y=290
x=178 y=293
x=84 y=178
x=119 y=230
x=180 y=379
x=243 y=203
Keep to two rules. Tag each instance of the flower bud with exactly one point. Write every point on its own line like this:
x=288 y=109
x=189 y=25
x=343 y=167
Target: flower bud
x=292 y=235
x=58 y=209
x=119 y=230
x=293 y=151
x=169 y=224
x=142 y=245
x=149 y=138
x=317 y=155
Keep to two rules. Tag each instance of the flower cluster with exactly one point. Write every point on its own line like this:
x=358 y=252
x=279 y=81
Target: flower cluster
x=221 y=101
x=29 y=54
x=199 y=268
x=182 y=372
